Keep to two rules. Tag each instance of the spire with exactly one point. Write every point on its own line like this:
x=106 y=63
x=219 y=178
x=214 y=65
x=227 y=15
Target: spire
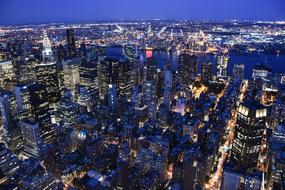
x=47 y=52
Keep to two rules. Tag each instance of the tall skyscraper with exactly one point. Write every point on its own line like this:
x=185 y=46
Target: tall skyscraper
x=8 y=162
x=71 y=74
x=11 y=133
x=31 y=138
x=6 y=72
x=47 y=53
x=71 y=43
x=115 y=68
x=248 y=134
x=222 y=66
x=150 y=94
x=46 y=72
x=167 y=88
x=32 y=103
x=89 y=79
x=238 y=71
x=67 y=110
x=27 y=72
x=207 y=71
x=41 y=110
x=112 y=97
x=150 y=69
x=260 y=71
x=188 y=67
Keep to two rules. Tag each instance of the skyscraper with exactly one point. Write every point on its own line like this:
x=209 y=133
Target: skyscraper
x=188 y=67
x=248 y=134
x=31 y=138
x=33 y=104
x=207 y=71
x=6 y=71
x=67 y=110
x=115 y=68
x=112 y=97
x=46 y=72
x=150 y=94
x=11 y=133
x=238 y=71
x=71 y=43
x=40 y=107
x=71 y=74
x=222 y=66
x=89 y=79
x=8 y=162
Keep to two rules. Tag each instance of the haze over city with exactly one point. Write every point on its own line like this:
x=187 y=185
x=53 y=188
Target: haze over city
x=34 y=11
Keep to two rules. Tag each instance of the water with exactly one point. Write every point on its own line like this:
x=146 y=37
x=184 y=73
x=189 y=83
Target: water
x=276 y=63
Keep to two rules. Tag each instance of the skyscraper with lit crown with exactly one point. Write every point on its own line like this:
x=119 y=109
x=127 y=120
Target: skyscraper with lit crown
x=46 y=71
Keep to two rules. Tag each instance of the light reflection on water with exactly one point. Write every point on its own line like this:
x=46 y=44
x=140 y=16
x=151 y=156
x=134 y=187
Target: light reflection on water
x=275 y=62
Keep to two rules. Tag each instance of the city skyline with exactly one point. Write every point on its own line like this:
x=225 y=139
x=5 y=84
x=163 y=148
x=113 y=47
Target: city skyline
x=37 y=12
x=92 y=102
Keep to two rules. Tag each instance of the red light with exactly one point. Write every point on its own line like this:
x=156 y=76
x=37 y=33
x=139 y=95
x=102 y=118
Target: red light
x=148 y=53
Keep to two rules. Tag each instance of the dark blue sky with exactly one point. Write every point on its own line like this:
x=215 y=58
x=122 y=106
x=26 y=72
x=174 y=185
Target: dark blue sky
x=42 y=11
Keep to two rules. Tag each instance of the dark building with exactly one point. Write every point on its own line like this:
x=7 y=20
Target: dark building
x=116 y=69
x=188 y=67
x=32 y=103
x=71 y=43
x=248 y=134
x=207 y=71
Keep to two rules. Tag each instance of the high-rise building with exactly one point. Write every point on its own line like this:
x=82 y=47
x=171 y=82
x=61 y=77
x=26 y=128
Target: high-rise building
x=112 y=97
x=248 y=134
x=67 y=110
x=167 y=88
x=47 y=53
x=6 y=71
x=222 y=66
x=207 y=71
x=31 y=138
x=188 y=67
x=71 y=72
x=260 y=71
x=191 y=169
x=11 y=133
x=71 y=43
x=116 y=69
x=27 y=73
x=32 y=103
x=41 y=110
x=150 y=94
x=61 y=54
x=24 y=107
x=238 y=71
x=88 y=78
x=46 y=72
x=150 y=69
x=8 y=162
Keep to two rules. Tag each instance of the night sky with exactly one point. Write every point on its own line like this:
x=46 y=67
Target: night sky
x=44 y=11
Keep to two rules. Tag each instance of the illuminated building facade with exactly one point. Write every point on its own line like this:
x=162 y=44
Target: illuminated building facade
x=46 y=72
x=222 y=66
x=11 y=134
x=71 y=72
x=31 y=139
x=248 y=134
